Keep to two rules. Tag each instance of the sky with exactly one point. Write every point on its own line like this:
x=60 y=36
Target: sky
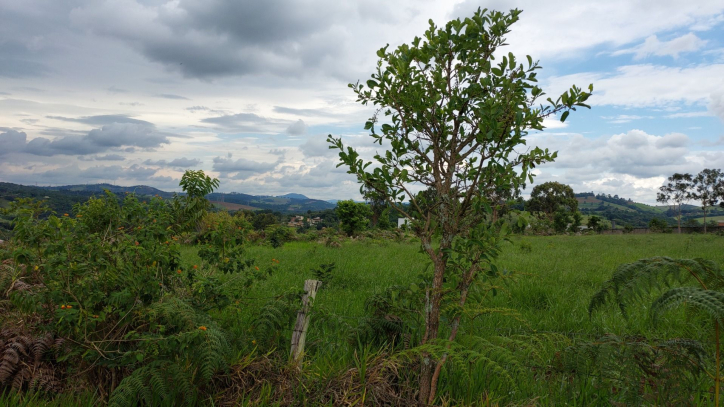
x=135 y=92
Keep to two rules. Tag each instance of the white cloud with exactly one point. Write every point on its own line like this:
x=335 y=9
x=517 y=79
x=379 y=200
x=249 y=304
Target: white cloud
x=647 y=85
x=652 y=46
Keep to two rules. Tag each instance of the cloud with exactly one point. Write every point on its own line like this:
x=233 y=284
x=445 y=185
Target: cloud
x=652 y=46
x=116 y=90
x=102 y=120
x=716 y=105
x=624 y=118
x=317 y=146
x=247 y=123
x=297 y=128
x=110 y=157
x=16 y=61
x=241 y=167
x=304 y=112
x=646 y=85
x=171 y=96
x=115 y=135
x=182 y=162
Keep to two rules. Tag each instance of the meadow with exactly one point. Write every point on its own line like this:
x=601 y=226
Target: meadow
x=549 y=286
x=553 y=279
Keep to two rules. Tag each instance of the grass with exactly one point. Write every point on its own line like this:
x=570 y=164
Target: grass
x=556 y=277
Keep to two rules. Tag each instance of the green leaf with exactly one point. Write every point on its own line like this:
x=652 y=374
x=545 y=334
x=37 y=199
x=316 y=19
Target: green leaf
x=564 y=116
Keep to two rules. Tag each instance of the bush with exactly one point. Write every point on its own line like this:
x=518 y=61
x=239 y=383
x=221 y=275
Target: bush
x=109 y=280
x=658 y=225
x=277 y=235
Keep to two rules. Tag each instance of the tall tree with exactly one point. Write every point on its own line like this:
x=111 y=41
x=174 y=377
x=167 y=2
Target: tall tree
x=454 y=121
x=551 y=196
x=353 y=216
x=707 y=186
x=677 y=189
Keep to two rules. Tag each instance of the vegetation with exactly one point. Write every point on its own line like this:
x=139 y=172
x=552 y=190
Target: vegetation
x=453 y=120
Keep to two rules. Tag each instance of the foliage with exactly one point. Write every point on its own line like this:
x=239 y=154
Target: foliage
x=552 y=198
x=25 y=363
x=263 y=220
x=353 y=216
x=634 y=280
x=658 y=225
x=110 y=281
x=708 y=188
x=454 y=120
x=561 y=219
x=277 y=235
x=678 y=189
x=192 y=207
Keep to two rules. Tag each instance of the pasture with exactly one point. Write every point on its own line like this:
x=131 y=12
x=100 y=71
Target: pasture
x=549 y=285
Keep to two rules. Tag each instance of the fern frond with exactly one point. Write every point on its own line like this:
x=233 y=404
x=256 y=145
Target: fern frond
x=632 y=280
x=709 y=301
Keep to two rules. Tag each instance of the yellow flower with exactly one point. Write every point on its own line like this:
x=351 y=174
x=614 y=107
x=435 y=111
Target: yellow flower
x=253 y=342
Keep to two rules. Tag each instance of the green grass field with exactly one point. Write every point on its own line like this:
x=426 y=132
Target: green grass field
x=555 y=281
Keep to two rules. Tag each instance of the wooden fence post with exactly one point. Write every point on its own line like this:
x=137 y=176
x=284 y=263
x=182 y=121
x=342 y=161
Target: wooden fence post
x=299 y=335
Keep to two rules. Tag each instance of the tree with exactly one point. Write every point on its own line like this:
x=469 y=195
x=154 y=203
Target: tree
x=576 y=221
x=192 y=207
x=707 y=186
x=353 y=216
x=676 y=190
x=561 y=219
x=454 y=121
x=550 y=196
x=595 y=222
x=377 y=203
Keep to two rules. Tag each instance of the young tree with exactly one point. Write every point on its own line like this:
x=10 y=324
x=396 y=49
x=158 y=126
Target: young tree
x=707 y=185
x=353 y=216
x=455 y=122
x=191 y=207
x=677 y=190
x=550 y=196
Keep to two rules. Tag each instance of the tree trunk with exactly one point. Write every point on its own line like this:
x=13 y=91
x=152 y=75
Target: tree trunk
x=432 y=328
x=704 y=219
x=678 y=219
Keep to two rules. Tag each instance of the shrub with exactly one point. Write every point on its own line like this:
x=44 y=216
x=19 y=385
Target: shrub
x=109 y=280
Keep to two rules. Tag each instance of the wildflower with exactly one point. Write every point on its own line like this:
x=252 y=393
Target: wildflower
x=253 y=342
x=160 y=284
x=36 y=268
x=78 y=216
x=195 y=267
x=137 y=243
x=121 y=228
x=257 y=268
x=69 y=306
x=65 y=214
x=178 y=271
x=95 y=316
x=203 y=328
x=62 y=307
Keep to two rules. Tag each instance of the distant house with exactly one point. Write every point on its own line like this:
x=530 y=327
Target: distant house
x=402 y=221
x=721 y=224
x=296 y=222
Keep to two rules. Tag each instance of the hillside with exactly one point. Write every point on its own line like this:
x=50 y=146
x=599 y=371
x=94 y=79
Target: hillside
x=62 y=198
x=623 y=211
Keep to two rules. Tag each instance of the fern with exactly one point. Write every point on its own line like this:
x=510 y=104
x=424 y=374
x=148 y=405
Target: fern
x=709 y=301
x=632 y=280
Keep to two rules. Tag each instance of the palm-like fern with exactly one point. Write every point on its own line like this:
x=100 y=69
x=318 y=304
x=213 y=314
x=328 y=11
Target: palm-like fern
x=645 y=276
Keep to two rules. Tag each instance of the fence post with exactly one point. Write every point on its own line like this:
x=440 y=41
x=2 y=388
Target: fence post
x=299 y=335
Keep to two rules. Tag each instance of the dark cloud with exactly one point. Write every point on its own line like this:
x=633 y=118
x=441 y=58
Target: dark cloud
x=182 y=162
x=214 y=38
x=108 y=137
x=102 y=120
x=16 y=61
x=297 y=128
x=110 y=157
x=170 y=96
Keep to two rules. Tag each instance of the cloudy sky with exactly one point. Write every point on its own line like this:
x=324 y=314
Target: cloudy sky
x=136 y=91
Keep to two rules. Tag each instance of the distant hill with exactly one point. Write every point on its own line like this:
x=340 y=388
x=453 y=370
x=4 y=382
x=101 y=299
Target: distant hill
x=294 y=196
x=625 y=211
x=62 y=198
